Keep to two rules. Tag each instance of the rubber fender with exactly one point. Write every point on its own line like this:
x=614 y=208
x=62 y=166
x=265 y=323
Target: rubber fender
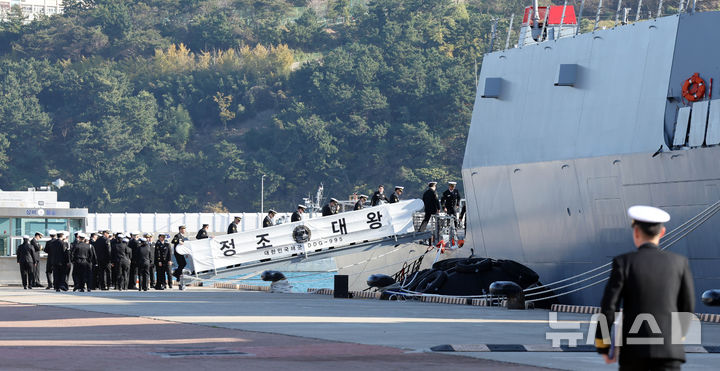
x=473 y=265
x=432 y=282
x=380 y=280
x=520 y=273
x=411 y=282
x=272 y=276
x=506 y=288
x=447 y=263
x=711 y=298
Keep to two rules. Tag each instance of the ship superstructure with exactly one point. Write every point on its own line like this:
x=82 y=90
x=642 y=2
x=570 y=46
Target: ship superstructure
x=568 y=132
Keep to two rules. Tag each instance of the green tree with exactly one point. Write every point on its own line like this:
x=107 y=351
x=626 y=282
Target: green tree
x=11 y=28
x=223 y=102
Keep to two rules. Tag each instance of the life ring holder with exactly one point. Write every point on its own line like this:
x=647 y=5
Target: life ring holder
x=693 y=88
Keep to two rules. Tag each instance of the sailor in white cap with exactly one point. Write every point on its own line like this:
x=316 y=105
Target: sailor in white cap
x=450 y=200
x=650 y=283
x=84 y=259
x=360 y=204
x=26 y=259
x=143 y=259
x=297 y=215
x=395 y=197
x=232 y=228
x=432 y=204
x=331 y=208
x=269 y=221
x=120 y=257
x=163 y=262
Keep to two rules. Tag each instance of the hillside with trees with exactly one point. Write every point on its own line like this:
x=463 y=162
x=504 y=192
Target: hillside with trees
x=182 y=105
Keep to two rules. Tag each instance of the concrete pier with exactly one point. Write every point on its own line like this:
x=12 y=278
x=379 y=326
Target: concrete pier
x=252 y=330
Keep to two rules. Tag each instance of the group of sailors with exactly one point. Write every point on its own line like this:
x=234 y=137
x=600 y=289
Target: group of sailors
x=103 y=260
x=448 y=203
x=134 y=261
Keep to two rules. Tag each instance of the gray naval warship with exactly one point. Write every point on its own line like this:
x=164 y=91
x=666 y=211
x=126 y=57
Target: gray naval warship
x=569 y=129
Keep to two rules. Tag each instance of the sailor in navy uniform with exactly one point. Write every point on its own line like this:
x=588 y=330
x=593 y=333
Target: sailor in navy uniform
x=269 y=221
x=378 y=197
x=647 y=281
x=84 y=260
x=330 y=208
x=395 y=197
x=143 y=259
x=232 y=228
x=36 y=251
x=432 y=204
x=202 y=233
x=163 y=263
x=50 y=258
x=26 y=258
x=179 y=239
x=450 y=200
x=360 y=204
x=297 y=215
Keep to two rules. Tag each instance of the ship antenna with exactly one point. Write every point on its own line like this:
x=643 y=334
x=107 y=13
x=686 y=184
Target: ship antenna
x=579 y=17
x=617 y=12
x=562 y=20
x=536 y=14
x=637 y=15
x=507 y=40
x=659 y=12
x=535 y=33
x=492 y=37
x=597 y=15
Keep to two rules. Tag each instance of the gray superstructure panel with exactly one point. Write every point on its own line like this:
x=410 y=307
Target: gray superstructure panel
x=616 y=105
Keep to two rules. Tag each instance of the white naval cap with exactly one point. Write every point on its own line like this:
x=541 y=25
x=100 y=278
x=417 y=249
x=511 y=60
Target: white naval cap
x=81 y=235
x=399 y=187
x=121 y=235
x=648 y=214
x=363 y=196
x=143 y=239
x=52 y=232
x=334 y=199
x=452 y=183
x=125 y=240
x=26 y=237
x=301 y=206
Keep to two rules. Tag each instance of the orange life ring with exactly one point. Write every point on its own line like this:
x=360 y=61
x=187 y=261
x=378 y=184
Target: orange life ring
x=694 y=88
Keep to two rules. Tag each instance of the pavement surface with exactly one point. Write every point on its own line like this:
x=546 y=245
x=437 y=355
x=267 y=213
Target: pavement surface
x=203 y=327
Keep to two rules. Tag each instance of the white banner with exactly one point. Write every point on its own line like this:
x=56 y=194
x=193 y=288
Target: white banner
x=281 y=241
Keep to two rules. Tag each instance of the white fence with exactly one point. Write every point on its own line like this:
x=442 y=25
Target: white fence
x=169 y=222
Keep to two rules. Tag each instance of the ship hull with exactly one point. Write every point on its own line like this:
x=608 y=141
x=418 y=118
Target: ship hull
x=563 y=218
